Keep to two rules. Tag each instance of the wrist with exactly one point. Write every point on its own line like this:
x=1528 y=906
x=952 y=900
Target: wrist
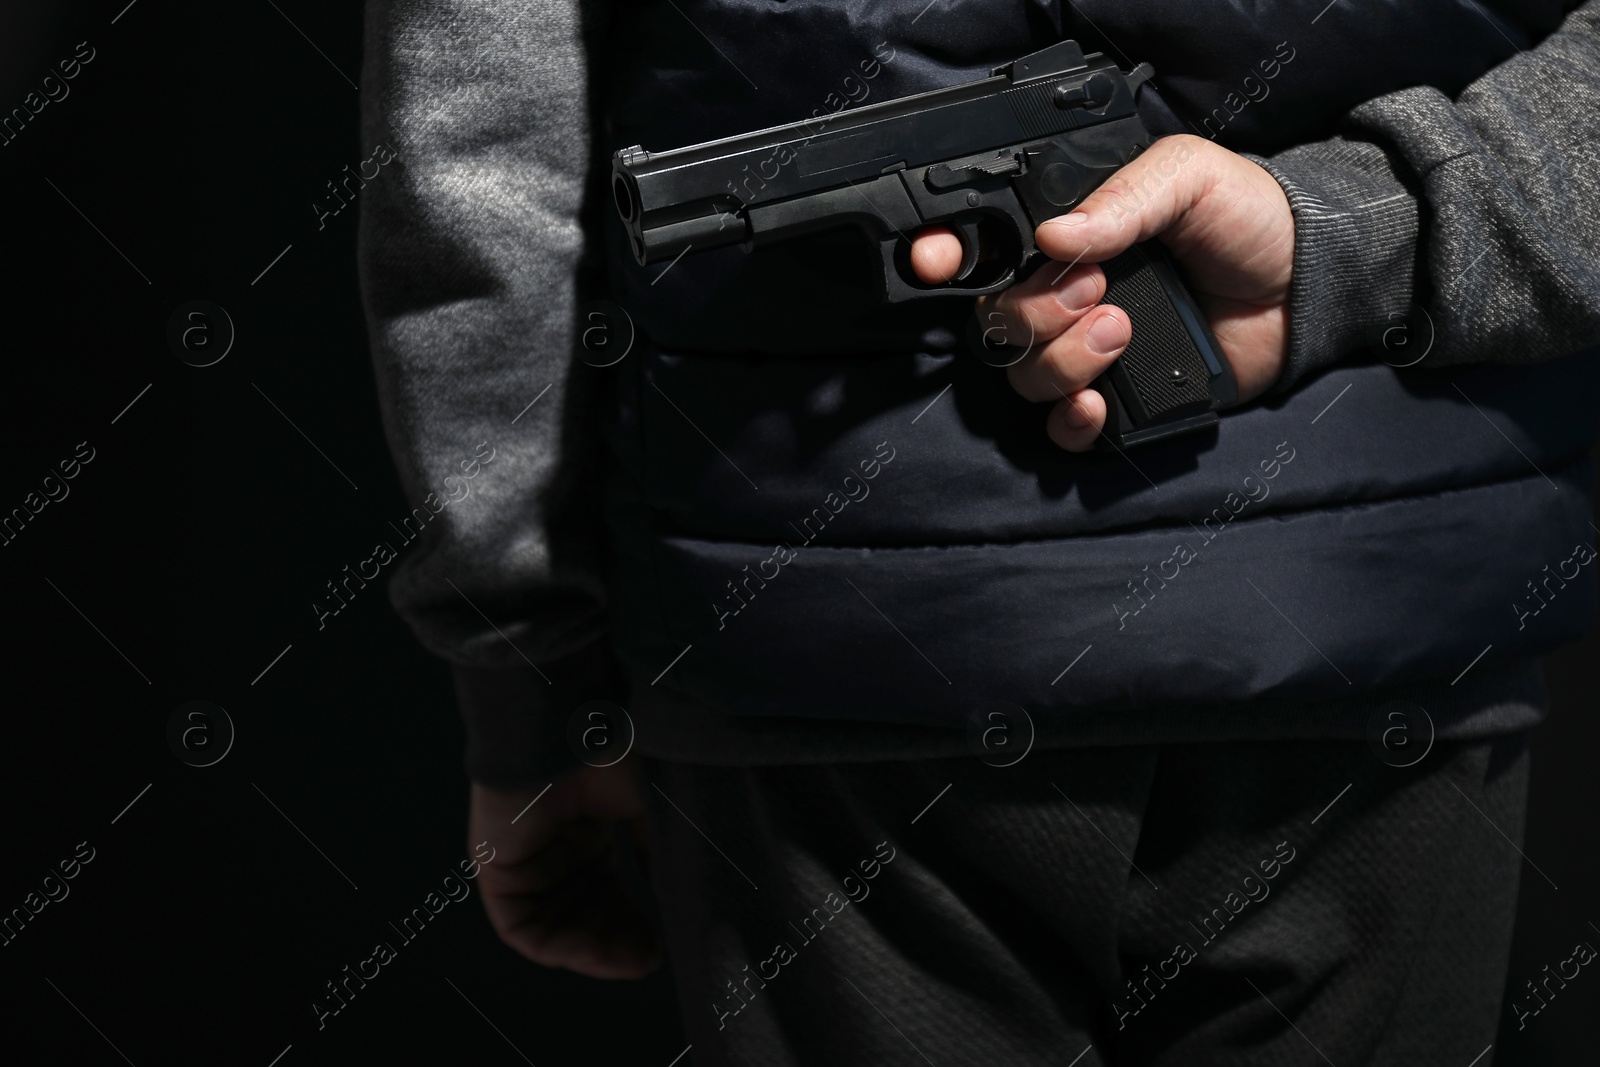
x=516 y=717
x=1356 y=227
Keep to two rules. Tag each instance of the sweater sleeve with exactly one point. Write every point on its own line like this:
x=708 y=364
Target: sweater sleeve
x=472 y=255
x=1483 y=210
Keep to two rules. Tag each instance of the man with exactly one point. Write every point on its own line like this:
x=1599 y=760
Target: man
x=1267 y=689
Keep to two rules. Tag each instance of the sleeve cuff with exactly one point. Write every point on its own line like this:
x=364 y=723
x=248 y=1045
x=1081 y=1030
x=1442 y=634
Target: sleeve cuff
x=516 y=717
x=1355 y=249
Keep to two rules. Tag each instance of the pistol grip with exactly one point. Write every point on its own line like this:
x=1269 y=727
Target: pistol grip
x=1172 y=377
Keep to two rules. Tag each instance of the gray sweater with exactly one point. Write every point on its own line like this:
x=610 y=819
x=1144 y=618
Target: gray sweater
x=1484 y=209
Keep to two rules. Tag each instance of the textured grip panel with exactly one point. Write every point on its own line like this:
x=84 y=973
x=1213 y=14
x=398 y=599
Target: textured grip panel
x=1161 y=364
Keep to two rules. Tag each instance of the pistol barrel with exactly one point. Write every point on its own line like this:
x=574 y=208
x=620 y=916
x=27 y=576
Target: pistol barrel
x=698 y=196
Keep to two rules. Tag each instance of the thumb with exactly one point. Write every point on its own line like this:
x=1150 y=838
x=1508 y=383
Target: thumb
x=1146 y=197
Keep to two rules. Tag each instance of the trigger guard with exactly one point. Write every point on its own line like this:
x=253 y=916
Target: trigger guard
x=967 y=233
x=899 y=284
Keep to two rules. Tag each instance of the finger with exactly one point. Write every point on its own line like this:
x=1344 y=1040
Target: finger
x=576 y=940
x=1044 y=305
x=611 y=957
x=588 y=925
x=613 y=791
x=517 y=823
x=1077 y=420
x=640 y=830
x=1143 y=199
x=574 y=847
x=1070 y=362
x=936 y=255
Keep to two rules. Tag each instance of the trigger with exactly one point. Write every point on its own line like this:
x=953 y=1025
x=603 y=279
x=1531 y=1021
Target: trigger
x=967 y=231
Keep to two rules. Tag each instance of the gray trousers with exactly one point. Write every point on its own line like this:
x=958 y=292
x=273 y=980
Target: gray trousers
x=1273 y=902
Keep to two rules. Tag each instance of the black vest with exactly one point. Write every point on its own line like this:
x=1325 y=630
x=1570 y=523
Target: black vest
x=847 y=516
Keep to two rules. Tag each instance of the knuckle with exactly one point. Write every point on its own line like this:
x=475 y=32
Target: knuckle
x=1037 y=315
x=1029 y=381
x=1064 y=357
x=1018 y=379
x=1117 y=194
x=1062 y=364
x=1184 y=144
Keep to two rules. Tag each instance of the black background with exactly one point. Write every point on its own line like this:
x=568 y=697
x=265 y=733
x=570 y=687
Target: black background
x=187 y=155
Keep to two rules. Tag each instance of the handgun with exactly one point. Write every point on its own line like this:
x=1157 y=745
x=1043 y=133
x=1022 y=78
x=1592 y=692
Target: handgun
x=991 y=159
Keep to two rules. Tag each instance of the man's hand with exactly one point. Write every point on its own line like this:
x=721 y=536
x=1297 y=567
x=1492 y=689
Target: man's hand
x=1226 y=222
x=553 y=892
